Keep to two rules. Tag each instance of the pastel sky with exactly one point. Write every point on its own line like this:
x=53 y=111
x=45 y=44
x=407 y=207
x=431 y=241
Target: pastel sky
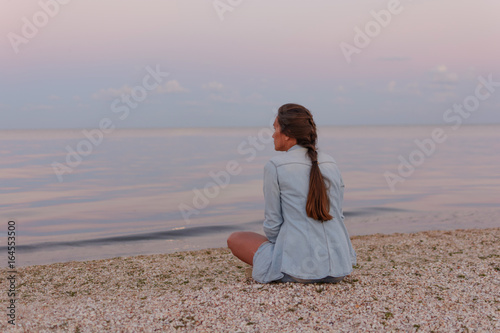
x=69 y=64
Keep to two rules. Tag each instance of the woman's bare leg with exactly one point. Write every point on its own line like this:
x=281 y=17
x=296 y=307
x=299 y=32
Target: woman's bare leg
x=244 y=244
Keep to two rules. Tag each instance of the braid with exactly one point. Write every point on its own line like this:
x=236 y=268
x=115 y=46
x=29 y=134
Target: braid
x=311 y=151
x=311 y=144
x=318 y=203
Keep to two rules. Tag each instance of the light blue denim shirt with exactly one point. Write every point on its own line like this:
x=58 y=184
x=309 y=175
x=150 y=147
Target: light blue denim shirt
x=299 y=245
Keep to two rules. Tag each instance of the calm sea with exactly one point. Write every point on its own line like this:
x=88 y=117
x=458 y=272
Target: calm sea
x=77 y=196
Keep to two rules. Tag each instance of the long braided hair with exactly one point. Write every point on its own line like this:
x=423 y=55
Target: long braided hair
x=297 y=122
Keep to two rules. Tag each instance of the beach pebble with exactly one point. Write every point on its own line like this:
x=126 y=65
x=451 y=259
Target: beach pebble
x=442 y=281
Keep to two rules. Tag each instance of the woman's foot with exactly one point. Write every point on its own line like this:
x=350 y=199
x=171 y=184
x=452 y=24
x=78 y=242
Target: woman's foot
x=248 y=272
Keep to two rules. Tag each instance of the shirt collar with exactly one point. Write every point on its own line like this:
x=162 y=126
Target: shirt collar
x=294 y=147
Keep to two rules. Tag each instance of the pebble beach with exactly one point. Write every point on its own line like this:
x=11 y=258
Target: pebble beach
x=432 y=281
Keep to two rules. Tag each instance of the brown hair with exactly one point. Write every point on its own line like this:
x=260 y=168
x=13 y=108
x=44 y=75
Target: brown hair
x=297 y=122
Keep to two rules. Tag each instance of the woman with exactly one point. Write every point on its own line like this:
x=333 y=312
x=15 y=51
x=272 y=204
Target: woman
x=306 y=239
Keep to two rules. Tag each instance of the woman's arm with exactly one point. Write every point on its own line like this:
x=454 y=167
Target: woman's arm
x=273 y=216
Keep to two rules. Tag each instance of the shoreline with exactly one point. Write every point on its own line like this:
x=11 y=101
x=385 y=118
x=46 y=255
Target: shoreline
x=430 y=280
x=367 y=221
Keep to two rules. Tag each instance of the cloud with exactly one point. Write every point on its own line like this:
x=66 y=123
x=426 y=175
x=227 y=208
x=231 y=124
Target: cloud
x=112 y=93
x=235 y=97
x=222 y=94
x=394 y=58
x=443 y=84
x=341 y=100
x=441 y=78
x=171 y=87
x=413 y=88
x=193 y=103
x=38 y=107
x=443 y=96
x=232 y=97
x=391 y=86
x=213 y=86
x=256 y=98
x=53 y=97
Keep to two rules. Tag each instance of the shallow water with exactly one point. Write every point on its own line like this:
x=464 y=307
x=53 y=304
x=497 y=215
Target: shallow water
x=125 y=195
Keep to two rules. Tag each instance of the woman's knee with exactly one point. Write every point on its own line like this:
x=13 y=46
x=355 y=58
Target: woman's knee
x=234 y=239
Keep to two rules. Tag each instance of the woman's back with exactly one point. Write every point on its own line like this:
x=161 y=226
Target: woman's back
x=304 y=248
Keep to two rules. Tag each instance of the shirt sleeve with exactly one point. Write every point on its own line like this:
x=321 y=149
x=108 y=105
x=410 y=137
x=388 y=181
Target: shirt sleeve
x=273 y=217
